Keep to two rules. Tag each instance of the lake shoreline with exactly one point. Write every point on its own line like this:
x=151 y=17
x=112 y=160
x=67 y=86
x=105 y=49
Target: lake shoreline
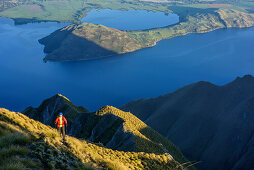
x=119 y=55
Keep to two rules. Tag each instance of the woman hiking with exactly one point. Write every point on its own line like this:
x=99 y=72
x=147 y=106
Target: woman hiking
x=61 y=123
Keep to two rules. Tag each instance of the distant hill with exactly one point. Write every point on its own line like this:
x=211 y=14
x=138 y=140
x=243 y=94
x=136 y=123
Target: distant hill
x=109 y=126
x=29 y=144
x=212 y=124
x=88 y=41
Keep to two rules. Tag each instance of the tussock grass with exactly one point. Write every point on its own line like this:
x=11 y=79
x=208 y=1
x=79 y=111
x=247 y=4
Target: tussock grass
x=147 y=139
x=15 y=138
x=12 y=147
x=13 y=150
x=86 y=155
x=13 y=164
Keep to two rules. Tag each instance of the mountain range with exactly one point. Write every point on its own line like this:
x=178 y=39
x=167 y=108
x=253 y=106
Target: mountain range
x=211 y=124
x=109 y=128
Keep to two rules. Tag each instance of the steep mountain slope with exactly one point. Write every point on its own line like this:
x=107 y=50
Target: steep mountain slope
x=212 y=124
x=50 y=108
x=109 y=126
x=26 y=143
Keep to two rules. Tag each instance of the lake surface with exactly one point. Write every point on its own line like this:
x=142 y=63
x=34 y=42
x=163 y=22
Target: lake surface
x=219 y=57
x=130 y=20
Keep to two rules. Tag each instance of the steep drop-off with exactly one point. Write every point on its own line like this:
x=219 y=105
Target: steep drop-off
x=212 y=124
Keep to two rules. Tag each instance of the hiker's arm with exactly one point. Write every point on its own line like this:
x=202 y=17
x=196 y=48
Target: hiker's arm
x=56 y=121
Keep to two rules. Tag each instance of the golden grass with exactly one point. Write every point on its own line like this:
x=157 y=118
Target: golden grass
x=13 y=147
x=234 y=18
x=147 y=139
x=89 y=154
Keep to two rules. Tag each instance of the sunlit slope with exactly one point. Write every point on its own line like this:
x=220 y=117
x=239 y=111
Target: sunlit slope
x=147 y=140
x=109 y=126
x=197 y=21
x=88 y=41
x=26 y=143
x=237 y=19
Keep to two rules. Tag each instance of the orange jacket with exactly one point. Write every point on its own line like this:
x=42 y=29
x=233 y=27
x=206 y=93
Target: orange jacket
x=61 y=121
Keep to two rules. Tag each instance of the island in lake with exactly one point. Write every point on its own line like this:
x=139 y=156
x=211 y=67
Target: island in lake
x=85 y=41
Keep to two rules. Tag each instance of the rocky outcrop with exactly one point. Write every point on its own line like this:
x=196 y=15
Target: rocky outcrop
x=212 y=124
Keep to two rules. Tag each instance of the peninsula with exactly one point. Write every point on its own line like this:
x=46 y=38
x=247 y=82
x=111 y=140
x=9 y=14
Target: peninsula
x=89 y=41
x=83 y=41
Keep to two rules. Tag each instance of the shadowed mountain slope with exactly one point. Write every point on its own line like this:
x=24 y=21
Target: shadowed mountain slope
x=26 y=143
x=109 y=126
x=212 y=124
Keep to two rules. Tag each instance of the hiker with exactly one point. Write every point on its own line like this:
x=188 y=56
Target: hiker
x=61 y=123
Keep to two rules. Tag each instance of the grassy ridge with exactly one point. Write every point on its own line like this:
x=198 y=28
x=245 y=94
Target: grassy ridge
x=47 y=148
x=115 y=122
x=59 y=103
x=146 y=138
x=23 y=145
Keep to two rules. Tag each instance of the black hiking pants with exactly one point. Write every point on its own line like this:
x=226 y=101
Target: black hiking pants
x=61 y=130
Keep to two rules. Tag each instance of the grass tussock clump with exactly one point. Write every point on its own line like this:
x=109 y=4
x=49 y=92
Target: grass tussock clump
x=13 y=148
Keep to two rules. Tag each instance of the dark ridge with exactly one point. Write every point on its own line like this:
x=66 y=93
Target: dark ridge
x=212 y=124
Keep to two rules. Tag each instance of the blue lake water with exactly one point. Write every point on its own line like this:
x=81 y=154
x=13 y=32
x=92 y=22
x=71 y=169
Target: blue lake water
x=130 y=20
x=219 y=57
